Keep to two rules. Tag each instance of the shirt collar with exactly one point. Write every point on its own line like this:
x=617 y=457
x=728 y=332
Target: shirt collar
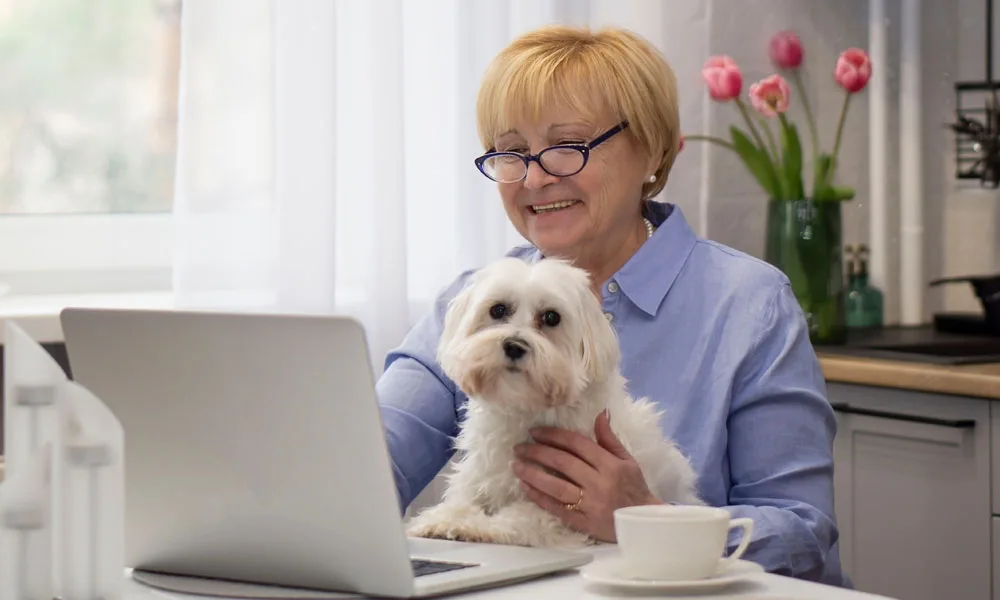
x=650 y=273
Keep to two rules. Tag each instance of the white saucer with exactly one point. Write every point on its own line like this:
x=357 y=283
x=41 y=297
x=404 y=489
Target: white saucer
x=609 y=572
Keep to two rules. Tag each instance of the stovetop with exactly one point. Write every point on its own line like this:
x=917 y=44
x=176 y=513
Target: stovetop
x=917 y=344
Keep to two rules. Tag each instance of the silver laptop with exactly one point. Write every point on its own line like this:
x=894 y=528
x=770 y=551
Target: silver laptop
x=254 y=453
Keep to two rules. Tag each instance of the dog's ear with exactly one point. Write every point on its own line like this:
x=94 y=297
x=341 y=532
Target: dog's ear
x=454 y=316
x=599 y=346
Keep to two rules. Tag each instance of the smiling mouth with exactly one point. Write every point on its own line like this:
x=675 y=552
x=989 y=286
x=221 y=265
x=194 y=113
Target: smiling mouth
x=554 y=206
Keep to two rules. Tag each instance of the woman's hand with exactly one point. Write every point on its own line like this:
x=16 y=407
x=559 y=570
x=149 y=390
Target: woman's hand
x=592 y=480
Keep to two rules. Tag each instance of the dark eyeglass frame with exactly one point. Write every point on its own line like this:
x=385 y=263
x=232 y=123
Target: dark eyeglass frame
x=583 y=149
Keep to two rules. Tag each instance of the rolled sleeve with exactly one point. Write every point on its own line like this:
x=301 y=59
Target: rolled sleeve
x=781 y=432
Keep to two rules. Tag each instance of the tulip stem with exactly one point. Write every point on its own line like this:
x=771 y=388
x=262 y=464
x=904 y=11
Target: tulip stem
x=712 y=140
x=840 y=131
x=753 y=129
x=800 y=88
x=770 y=141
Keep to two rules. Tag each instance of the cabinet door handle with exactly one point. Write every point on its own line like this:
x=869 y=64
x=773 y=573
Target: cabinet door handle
x=853 y=410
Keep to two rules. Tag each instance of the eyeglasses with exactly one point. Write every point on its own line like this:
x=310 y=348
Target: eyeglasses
x=563 y=160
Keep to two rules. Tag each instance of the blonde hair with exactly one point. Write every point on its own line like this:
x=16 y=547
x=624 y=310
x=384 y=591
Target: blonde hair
x=611 y=70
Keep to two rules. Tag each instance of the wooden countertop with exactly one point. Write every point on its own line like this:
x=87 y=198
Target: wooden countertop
x=981 y=381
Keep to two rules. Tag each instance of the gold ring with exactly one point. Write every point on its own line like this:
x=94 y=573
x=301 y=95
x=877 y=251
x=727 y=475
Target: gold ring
x=575 y=505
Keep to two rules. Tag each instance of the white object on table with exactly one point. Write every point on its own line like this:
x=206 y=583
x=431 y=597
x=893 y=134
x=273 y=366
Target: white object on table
x=572 y=585
x=71 y=532
x=33 y=383
x=616 y=575
x=32 y=380
x=91 y=507
x=26 y=529
x=665 y=542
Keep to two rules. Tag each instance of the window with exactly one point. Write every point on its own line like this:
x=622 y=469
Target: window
x=88 y=127
x=88 y=106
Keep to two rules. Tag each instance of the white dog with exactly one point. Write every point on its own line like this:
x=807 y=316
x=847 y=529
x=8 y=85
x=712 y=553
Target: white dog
x=530 y=347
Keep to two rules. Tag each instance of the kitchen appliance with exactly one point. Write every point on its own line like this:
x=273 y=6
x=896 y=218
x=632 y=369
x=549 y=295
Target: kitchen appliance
x=977 y=121
x=987 y=290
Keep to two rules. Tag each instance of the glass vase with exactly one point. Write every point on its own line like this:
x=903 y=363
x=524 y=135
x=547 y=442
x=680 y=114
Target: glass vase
x=803 y=239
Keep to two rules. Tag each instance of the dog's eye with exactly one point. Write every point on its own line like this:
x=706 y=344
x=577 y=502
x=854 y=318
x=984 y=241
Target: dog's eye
x=550 y=318
x=498 y=311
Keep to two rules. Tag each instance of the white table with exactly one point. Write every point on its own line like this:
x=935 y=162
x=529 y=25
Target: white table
x=570 y=585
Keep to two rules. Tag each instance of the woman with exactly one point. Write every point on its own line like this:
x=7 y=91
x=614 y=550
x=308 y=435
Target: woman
x=580 y=130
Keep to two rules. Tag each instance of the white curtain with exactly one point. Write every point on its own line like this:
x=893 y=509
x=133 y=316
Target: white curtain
x=326 y=147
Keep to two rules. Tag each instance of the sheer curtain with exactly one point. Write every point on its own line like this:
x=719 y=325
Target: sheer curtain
x=326 y=147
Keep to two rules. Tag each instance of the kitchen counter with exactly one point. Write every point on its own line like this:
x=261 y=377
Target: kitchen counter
x=980 y=381
x=917 y=358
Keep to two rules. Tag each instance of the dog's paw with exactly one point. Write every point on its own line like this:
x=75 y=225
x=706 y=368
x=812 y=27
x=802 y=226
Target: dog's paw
x=519 y=524
x=450 y=522
x=460 y=533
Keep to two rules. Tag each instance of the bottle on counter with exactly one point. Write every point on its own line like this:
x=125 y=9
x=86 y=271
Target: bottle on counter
x=851 y=258
x=864 y=301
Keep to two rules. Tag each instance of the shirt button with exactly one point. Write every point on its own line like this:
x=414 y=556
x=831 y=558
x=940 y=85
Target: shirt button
x=608 y=317
x=613 y=287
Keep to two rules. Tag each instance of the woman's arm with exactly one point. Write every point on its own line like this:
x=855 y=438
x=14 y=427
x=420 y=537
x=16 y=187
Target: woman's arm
x=781 y=431
x=418 y=404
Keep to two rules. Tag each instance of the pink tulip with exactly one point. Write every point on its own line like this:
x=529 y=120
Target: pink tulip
x=785 y=50
x=769 y=96
x=723 y=78
x=853 y=70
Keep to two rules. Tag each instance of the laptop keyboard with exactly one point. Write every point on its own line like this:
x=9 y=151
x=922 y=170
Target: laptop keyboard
x=429 y=567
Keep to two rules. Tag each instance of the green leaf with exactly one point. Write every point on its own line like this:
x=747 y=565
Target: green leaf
x=791 y=151
x=841 y=192
x=822 y=191
x=756 y=161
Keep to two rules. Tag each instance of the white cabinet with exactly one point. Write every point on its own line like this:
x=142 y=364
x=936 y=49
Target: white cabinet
x=995 y=456
x=996 y=558
x=912 y=484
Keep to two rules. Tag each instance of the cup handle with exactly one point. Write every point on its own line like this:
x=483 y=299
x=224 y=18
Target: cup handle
x=747 y=525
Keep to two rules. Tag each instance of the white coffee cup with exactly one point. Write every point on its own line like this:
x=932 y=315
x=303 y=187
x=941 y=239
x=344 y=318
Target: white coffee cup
x=673 y=542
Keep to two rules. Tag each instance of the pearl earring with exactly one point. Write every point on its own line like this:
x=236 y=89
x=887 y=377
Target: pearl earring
x=652 y=179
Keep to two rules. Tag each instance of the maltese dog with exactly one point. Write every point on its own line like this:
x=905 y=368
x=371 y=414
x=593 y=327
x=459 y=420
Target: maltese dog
x=529 y=345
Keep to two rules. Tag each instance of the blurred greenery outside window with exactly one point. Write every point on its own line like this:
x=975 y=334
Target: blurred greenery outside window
x=88 y=105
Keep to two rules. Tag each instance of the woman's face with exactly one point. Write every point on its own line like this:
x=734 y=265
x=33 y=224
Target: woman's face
x=603 y=199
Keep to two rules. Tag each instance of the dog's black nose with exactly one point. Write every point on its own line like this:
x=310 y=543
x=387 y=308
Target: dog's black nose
x=514 y=348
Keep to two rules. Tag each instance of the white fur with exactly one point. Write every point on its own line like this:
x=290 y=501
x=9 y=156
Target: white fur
x=567 y=377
